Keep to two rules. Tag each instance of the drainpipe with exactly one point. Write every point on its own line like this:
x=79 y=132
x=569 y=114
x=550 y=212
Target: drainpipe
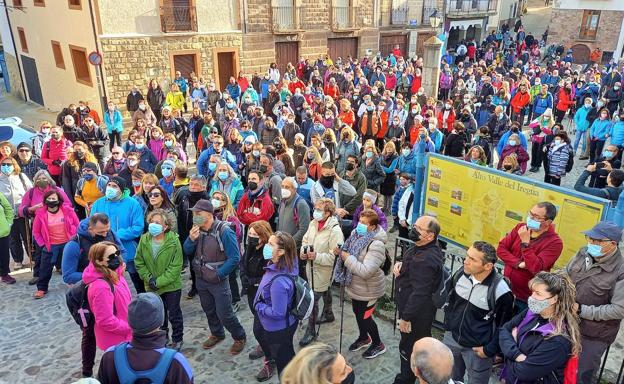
x=98 y=68
x=19 y=66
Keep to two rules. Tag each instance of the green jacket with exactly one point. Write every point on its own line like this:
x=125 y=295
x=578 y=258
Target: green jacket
x=6 y=220
x=350 y=203
x=166 y=267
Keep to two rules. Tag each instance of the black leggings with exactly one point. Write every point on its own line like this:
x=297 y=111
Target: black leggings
x=114 y=136
x=365 y=322
x=277 y=344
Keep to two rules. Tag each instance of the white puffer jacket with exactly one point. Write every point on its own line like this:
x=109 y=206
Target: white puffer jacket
x=324 y=242
x=369 y=281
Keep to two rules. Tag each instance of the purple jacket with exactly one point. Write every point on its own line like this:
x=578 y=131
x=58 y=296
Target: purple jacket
x=273 y=301
x=383 y=221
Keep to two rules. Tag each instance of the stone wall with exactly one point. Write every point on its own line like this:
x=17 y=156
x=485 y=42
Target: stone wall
x=565 y=27
x=14 y=76
x=129 y=61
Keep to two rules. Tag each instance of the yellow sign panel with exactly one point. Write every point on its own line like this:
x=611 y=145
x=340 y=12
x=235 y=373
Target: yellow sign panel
x=478 y=203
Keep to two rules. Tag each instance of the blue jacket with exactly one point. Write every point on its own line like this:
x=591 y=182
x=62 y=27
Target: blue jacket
x=147 y=161
x=407 y=164
x=503 y=141
x=204 y=159
x=116 y=125
x=182 y=84
x=580 y=119
x=600 y=129
x=397 y=197
x=234 y=90
x=589 y=90
x=437 y=137
x=304 y=191
x=273 y=300
x=126 y=220
x=167 y=186
x=234 y=189
x=72 y=253
x=542 y=103
x=230 y=247
x=617 y=133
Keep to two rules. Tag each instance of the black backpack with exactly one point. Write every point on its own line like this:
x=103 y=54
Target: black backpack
x=570 y=163
x=387 y=264
x=441 y=293
x=491 y=294
x=303 y=297
x=78 y=304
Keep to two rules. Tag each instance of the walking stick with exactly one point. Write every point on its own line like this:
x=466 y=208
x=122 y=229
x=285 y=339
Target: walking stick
x=342 y=289
x=29 y=249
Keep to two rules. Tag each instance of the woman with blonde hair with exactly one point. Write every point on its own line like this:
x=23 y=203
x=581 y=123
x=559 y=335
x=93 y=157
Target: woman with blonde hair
x=226 y=180
x=147 y=182
x=476 y=155
x=348 y=146
x=313 y=161
x=537 y=343
x=318 y=364
x=170 y=143
x=510 y=164
x=72 y=172
x=329 y=140
x=371 y=167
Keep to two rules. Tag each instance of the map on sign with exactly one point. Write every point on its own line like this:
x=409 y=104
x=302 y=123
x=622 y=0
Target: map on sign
x=478 y=203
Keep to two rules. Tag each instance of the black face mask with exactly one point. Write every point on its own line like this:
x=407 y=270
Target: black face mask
x=507 y=167
x=253 y=242
x=327 y=181
x=52 y=204
x=252 y=185
x=98 y=238
x=350 y=379
x=278 y=146
x=263 y=168
x=197 y=195
x=114 y=262
x=350 y=167
x=414 y=235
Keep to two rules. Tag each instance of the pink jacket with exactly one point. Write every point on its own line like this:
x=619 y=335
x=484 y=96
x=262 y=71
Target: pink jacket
x=111 y=326
x=40 y=225
x=36 y=197
x=55 y=150
x=156 y=146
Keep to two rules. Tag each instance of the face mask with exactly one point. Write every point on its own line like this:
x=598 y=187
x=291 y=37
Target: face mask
x=350 y=167
x=41 y=184
x=256 y=153
x=370 y=109
x=557 y=141
x=267 y=252
x=507 y=167
x=594 y=250
x=142 y=107
x=327 y=181
x=88 y=176
x=252 y=185
x=361 y=229
x=513 y=143
x=45 y=131
x=616 y=87
x=369 y=154
x=7 y=169
x=155 y=229
x=216 y=203
x=139 y=146
x=350 y=379
x=607 y=154
x=132 y=163
x=405 y=151
x=111 y=192
x=286 y=193
x=166 y=172
x=136 y=183
x=532 y=224
x=114 y=262
x=52 y=204
x=169 y=143
x=537 y=306
x=447 y=106
x=80 y=155
x=223 y=175
x=420 y=93
x=198 y=220
x=252 y=241
x=600 y=104
x=212 y=166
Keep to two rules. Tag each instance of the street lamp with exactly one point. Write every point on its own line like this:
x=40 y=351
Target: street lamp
x=435 y=20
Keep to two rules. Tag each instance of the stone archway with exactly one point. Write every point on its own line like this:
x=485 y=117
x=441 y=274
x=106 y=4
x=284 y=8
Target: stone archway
x=580 y=53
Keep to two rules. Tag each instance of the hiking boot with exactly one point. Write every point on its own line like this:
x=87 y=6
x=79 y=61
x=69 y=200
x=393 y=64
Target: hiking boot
x=191 y=293
x=326 y=318
x=212 y=341
x=394 y=228
x=39 y=294
x=256 y=353
x=267 y=371
x=359 y=344
x=33 y=281
x=237 y=347
x=583 y=157
x=7 y=279
x=374 y=351
x=177 y=345
x=309 y=336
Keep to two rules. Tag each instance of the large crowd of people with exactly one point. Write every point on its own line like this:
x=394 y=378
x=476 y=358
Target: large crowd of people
x=304 y=174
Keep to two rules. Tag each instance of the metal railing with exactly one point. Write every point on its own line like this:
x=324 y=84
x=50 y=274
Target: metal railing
x=453 y=261
x=178 y=18
x=427 y=11
x=461 y=7
x=399 y=15
x=343 y=17
x=285 y=18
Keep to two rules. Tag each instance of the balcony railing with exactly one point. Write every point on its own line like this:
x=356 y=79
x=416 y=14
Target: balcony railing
x=343 y=18
x=426 y=13
x=178 y=18
x=285 y=18
x=470 y=7
x=399 y=15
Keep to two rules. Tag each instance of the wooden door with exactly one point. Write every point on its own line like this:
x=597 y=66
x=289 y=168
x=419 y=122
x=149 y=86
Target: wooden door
x=226 y=68
x=342 y=47
x=185 y=64
x=32 y=79
x=580 y=53
x=387 y=43
x=420 y=42
x=286 y=52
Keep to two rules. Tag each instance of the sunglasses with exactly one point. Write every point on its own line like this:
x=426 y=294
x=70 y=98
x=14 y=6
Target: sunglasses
x=116 y=153
x=24 y=150
x=154 y=194
x=117 y=253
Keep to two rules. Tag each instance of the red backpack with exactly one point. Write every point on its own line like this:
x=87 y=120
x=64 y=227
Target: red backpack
x=570 y=371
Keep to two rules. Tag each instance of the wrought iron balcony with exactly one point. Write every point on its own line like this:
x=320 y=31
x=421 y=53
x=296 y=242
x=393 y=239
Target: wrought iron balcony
x=178 y=18
x=460 y=8
x=285 y=18
x=343 y=18
x=399 y=15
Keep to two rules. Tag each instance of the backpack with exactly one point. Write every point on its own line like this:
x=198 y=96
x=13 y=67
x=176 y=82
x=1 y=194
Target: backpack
x=570 y=371
x=387 y=264
x=155 y=375
x=491 y=293
x=570 y=163
x=303 y=298
x=440 y=294
x=78 y=304
x=217 y=232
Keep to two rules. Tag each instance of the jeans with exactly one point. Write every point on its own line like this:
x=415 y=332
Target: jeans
x=595 y=149
x=466 y=359
x=580 y=137
x=48 y=259
x=37 y=259
x=18 y=239
x=173 y=314
x=114 y=136
x=276 y=345
x=88 y=348
x=216 y=301
x=139 y=285
x=421 y=327
x=234 y=286
x=366 y=324
x=589 y=360
x=4 y=255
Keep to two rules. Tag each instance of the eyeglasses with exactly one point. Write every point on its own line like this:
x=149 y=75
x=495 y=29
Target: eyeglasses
x=536 y=217
x=114 y=254
x=24 y=150
x=116 y=153
x=217 y=143
x=154 y=194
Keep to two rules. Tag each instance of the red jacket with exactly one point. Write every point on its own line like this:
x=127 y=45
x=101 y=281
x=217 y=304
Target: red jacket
x=55 y=150
x=416 y=84
x=540 y=255
x=565 y=100
x=334 y=92
x=450 y=119
x=262 y=202
x=40 y=225
x=520 y=100
x=294 y=85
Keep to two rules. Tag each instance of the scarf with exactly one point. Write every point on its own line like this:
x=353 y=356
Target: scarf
x=354 y=245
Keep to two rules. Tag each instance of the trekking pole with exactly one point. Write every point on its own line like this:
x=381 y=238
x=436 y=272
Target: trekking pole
x=342 y=289
x=29 y=249
x=314 y=328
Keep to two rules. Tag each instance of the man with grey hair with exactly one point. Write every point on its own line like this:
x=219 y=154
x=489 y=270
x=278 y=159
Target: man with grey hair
x=432 y=362
x=294 y=212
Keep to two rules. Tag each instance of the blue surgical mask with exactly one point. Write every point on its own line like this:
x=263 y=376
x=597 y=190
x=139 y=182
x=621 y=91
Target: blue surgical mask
x=533 y=224
x=111 y=192
x=212 y=166
x=607 y=154
x=406 y=152
x=223 y=175
x=136 y=183
x=88 y=176
x=267 y=252
x=7 y=169
x=139 y=146
x=361 y=229
x=216 y=203
x=154 y=229
x=594 y=250
x=169 y=143
x=513 y=143
x=369 y=154
x=317 y=215
x=166 y=172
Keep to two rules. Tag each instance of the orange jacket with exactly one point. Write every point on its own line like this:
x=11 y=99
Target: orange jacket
x=364 y=125
x=334 y=92
x=347 y=117
x=383 y=117
x=520 y=100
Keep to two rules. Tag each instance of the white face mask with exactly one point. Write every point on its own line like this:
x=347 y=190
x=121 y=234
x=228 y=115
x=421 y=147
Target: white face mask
x=286 y=193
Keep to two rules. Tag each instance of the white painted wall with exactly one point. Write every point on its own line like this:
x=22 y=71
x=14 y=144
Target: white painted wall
x=603 y=5
x=5 y=32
